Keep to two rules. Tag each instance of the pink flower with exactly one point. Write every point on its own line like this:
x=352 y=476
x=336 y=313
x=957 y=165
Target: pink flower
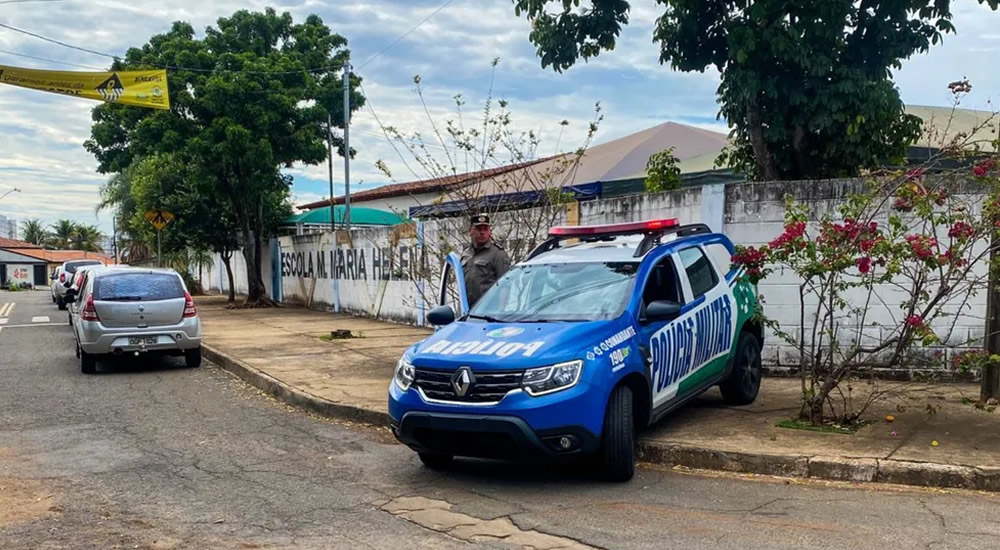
x=915 y=174
x=922 y=246
x=793 y=232
x=983 y=168
x=915 y=321
x=864 y=264
x=961 y=231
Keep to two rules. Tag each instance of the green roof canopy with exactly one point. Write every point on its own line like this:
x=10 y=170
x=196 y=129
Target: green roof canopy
x=359 y=216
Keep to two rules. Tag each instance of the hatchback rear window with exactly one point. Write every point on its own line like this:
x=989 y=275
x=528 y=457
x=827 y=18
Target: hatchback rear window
x=138 y=287
x=71 y=268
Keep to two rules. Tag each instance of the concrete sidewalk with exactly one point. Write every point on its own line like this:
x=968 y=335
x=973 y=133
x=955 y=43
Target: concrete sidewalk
x=281 y=351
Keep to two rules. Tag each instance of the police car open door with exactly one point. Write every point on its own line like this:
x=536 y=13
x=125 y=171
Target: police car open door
x=457 y=295
x=691 y=349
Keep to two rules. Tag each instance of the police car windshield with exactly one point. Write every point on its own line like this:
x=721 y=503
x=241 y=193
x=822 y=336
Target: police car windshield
x=577 y=291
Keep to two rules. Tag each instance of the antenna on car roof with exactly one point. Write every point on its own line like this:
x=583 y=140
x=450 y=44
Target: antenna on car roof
x=653 y=230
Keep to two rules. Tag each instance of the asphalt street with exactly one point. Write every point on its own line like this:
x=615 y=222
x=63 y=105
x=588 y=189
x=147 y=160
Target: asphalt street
x=149 y=454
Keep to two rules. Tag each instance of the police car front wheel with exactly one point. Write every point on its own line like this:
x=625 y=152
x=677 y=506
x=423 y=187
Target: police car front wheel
x=618 y=437
x=435 y=461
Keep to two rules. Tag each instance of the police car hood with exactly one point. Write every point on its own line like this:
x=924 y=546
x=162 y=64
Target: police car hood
x=504 y=346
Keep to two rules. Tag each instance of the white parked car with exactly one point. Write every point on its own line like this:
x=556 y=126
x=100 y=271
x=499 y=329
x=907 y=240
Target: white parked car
x=64 y=279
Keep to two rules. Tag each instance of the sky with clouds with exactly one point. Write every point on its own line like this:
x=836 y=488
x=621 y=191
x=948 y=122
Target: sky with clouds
x=41 y=134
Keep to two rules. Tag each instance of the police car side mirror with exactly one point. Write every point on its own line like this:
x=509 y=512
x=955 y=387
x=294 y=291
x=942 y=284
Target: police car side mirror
x=441 y=316
x=662 y=310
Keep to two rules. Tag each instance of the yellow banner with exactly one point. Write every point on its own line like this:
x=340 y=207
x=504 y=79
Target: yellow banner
x=139 y=88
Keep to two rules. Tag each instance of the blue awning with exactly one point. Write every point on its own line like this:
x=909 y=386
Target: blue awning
x=521 y=199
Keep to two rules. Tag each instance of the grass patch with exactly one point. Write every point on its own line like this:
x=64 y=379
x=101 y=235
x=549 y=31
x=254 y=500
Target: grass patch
x=847 y=429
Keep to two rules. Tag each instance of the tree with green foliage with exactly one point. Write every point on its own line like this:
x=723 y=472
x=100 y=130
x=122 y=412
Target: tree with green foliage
x=247 y=100
x=662 y=172
x=806 y=86
x=202 y=219
x=88 y=238
x=33 y=231
x=132 y=243
x=62 y=233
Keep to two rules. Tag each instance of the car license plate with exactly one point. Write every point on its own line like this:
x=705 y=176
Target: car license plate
x=142 y=340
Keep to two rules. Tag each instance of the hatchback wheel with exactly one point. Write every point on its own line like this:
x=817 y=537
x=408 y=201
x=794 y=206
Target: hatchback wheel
x=61 y=304
x=88 y=363
x=192 y=357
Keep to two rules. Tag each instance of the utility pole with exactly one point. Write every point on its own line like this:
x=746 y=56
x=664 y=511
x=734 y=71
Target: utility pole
x=347 y=146
x=329 y=162
x=990 y=388
x=114 y=237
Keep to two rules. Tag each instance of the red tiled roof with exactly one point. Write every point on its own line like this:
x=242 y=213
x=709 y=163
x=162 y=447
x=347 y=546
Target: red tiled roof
x=11 y=243
x=60 y=256
x=424 y=186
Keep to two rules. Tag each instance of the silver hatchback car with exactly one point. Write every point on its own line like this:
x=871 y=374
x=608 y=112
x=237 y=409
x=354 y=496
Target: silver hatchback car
x=135 y=311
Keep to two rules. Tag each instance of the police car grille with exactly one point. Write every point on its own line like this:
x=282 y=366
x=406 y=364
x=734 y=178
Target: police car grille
x=489 y=387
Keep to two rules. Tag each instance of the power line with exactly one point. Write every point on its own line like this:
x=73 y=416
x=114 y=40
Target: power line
x=25 y=1
x=194 y=69
x=385 y=133
x=54 y=41
x=50 y=60
x=168 y=67
x=407 y=33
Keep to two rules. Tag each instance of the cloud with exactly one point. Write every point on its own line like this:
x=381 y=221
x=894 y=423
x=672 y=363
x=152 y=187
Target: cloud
x=41 y=134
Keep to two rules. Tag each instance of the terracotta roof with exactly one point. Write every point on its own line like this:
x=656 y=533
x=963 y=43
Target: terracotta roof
x=11 y=243
x=424 y=186
x=60 y=256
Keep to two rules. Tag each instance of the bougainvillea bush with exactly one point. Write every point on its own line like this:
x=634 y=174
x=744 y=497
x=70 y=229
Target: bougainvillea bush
x=889 y=272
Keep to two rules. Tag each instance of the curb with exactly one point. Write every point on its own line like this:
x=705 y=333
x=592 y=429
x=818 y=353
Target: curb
x=291 y=395
x=833 y=468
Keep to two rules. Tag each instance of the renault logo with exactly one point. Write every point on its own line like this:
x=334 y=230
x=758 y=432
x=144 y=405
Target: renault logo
x=462 y=380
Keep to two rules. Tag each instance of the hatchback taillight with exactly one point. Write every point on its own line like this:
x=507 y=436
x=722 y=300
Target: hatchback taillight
x=189 y=309
x=62 y=277
x=89 y=312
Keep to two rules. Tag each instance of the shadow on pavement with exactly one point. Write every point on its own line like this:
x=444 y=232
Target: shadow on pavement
x=143 y=364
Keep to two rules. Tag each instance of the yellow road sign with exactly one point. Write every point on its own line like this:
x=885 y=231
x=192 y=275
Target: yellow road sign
x=139 y=88
x=159 y=218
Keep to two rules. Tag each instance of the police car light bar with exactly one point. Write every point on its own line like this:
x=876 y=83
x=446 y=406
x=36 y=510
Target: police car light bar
x=629 y=228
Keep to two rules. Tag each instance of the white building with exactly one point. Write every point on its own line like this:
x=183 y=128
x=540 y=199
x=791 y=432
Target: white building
x=8 y=227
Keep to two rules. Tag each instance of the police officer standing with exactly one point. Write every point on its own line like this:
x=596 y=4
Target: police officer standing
x=483 y=261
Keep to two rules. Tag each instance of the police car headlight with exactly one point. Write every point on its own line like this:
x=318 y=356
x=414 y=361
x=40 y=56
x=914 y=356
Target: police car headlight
x=551 y=379
x=404 y=374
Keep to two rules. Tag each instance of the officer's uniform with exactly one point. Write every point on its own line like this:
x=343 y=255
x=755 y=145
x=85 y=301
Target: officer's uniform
x=483 y=265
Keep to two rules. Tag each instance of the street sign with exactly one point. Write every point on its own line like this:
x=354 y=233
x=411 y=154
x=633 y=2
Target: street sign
x=159 y=218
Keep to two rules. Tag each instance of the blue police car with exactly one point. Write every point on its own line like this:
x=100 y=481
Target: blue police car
x=576 y=348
